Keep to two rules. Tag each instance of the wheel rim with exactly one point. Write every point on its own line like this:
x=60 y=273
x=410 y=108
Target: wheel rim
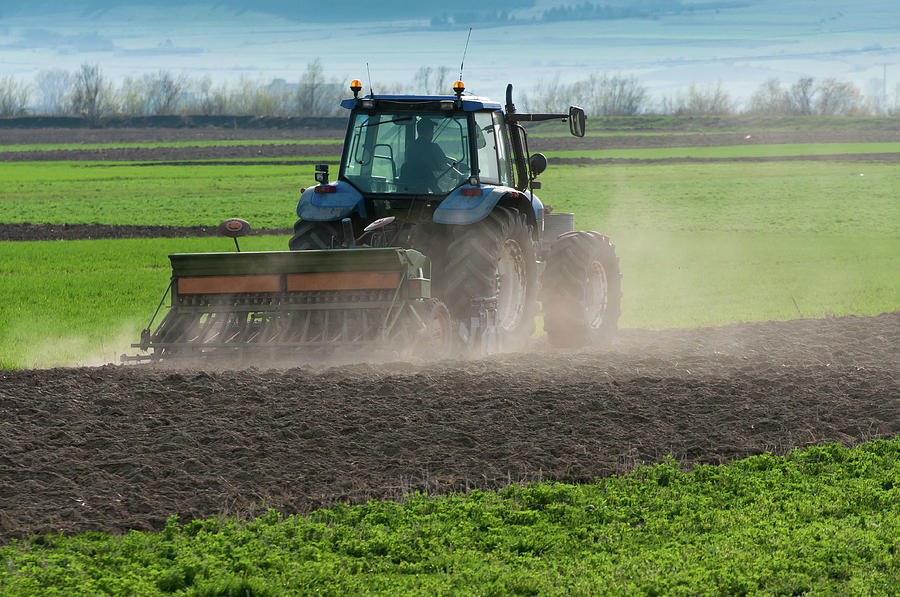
x=512 y=285
x=596 y=295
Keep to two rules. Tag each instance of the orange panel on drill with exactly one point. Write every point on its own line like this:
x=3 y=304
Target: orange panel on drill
x=229 y=284
x=343 y=281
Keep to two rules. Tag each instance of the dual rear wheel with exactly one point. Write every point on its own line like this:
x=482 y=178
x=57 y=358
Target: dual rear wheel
x=581 y=290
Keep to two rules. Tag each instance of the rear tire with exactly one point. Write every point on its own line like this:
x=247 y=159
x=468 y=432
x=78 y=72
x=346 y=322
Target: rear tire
x=492 y=258
x=581 y=290
x=314 y=235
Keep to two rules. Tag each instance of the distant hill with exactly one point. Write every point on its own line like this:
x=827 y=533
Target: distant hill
x=354 y=10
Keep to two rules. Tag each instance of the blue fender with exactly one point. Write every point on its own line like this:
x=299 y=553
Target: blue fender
x=536 y=204
x=330 y=207
x=457 y=208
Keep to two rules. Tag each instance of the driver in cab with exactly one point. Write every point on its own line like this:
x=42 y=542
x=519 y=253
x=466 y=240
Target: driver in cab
x=427 y=161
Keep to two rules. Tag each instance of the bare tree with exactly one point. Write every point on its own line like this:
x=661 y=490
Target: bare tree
x=430 y=80
x=546 y=96
x=607 y=95
x=422 y=80
x=310 y=91
x=164 y=92
x=133 y=99
x=441 y=80
x=14 y=96
x=54 y=88
x=838 y=98
x=770 y=98
x=599 y=94
x=711 y=100
x=893 y=107
x=253 y=98
x=876 y=96
x=91 y=95
x=801 y=95
x=202 y=98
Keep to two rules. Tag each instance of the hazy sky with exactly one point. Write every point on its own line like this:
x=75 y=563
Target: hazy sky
x=740 y=44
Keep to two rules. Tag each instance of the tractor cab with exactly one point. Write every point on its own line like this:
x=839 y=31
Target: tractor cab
x=425 y=146
x=448 y=159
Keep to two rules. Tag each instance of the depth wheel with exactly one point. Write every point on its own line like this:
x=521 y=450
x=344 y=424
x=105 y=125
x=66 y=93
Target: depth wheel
x=432 y=336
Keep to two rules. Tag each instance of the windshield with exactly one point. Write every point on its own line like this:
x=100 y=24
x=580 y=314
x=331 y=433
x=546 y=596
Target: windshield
x=402 y=152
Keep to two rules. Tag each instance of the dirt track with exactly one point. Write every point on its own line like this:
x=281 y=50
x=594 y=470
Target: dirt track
x=27 y=231
x=115 y=448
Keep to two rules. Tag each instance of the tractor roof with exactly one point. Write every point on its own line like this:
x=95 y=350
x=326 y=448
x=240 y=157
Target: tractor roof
x=470 y=103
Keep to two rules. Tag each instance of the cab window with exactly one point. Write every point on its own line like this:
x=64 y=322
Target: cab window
x=486 y=142
x=504 y=151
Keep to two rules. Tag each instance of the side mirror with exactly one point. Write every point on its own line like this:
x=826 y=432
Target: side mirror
x=537 y=163
x=576 y=121
x=322 y=173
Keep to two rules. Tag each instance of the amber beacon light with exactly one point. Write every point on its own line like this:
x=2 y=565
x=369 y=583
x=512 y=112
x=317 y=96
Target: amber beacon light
x=458 y=88
x=355 y=87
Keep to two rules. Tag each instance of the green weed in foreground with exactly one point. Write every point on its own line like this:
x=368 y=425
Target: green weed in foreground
x=825 y=522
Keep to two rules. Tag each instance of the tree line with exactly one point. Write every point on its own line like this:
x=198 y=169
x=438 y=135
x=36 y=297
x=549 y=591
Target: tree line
x=88 y=93
x=604 y=94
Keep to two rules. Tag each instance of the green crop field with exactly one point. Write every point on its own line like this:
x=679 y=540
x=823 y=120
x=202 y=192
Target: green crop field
x=732 y=151
x=700 y=244
x=117 y=193
x=671 y=124
x=824 y=521
x=166 y=144
x=85 y=301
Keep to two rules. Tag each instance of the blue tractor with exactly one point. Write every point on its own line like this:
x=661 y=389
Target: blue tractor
x=452 y=177
x=430 y=239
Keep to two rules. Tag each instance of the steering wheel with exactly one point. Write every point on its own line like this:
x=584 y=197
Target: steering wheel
x=450 y=168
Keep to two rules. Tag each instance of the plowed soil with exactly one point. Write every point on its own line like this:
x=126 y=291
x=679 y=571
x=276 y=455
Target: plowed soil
x=29 y=231
x=116 y=448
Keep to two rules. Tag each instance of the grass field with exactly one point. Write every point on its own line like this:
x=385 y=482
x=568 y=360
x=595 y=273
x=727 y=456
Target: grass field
x=824 y=521
x=672 y=124
x=732 y=151
x=162 y=144
x=105 y=193
x=700 y=244
x=86 y=301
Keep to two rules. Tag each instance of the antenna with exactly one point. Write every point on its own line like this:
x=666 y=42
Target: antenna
x=369 y=73
x=463 y=61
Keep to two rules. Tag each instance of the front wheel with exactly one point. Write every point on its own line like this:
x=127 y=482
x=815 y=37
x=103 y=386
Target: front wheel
x=581 y=290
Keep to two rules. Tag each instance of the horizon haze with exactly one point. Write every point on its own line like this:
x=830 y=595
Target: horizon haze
x=666 y=44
